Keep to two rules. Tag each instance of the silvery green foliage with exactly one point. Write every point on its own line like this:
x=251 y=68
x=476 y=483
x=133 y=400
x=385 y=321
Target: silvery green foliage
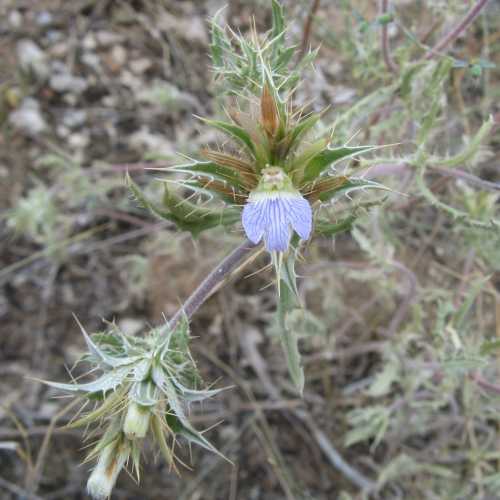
x=240 y=61
x=145 y=387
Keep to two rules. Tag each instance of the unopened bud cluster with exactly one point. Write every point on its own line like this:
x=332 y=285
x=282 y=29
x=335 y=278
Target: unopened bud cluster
x=145 y=388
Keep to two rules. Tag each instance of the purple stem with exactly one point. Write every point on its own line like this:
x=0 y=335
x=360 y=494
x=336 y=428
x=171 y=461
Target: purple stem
x=212 y=281
x=387 y=169
x=455 y=32
x=485 y=384
x=384 y=6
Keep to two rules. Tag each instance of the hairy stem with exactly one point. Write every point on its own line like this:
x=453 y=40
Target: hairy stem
x=391 y=66
x=459 y=28
x=307 y=28
x=214 y=279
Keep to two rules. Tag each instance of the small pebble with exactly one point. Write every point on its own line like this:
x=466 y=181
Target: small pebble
x=65 y=82
x=108 y=38
x=89 y=42
x=44 y=18
x=15 y=19
x=32 y=58
x=28 y=117
x=74 y=118
x=140 y=66
x=116 y=58
x=92 y=60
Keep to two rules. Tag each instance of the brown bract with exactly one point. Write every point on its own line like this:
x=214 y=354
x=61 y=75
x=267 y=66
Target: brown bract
x=269 y=112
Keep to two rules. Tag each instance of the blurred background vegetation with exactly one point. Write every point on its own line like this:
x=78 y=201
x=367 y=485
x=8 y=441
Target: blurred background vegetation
x=401 y=342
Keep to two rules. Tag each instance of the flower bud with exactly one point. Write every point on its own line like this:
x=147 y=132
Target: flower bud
x=269 y=112
x=136 y=421
x=111 y=460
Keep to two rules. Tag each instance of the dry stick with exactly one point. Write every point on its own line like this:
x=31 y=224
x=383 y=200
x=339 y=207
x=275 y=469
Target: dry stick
x=356 y=477
x=307 y=28
x=387 y=169
x=212 y=281
x=485 y=384
x=407 y=301
x=34 y=477
x=17 y=490
x=384 y=6
x=455 y=32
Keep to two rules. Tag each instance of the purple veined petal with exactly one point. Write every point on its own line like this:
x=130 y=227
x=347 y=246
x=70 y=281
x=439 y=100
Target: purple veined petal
x=277 y=236
x=300 y=216
x=254 y=220
x=273 y=218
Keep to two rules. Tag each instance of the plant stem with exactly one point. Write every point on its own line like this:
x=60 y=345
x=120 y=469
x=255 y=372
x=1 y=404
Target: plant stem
x=455 y=32
x=307 y=28
x=384 y=6
x=214 y=279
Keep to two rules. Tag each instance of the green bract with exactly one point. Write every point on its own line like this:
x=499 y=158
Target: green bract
x=145 y=387
x=263 y=129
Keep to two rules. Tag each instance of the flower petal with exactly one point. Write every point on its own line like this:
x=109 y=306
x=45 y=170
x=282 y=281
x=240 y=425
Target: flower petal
x=254 y=220
x=300 y=216
x=277 y=236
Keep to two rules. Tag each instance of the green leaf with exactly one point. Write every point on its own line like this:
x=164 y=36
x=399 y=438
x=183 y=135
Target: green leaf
x=493 y=481
x=218 y=43
x=284 y=57
x=191 y=395
x=407 y=78
x=235 y=132
x=489 y=347
x=432 y=98
x=301 y=129
x=196 y=437
x=99 y=355
x=475 y=290
x=278 y=19
x=144 y=393
x=182 y=427
x=142 y=368
x=145 y=203
x=384 y=380
x=108 y=406
x=212 y=171
x=159 y=436
x=112 y=433
x=296 y=167
x=184 y=214
x=463 y=364
x=400 y=466
x=287 y=302
x=367 y=423
x=106 y=382
x=471 y=148
x=327 y=228
x=305 y=323
x=353 y=184
x=317 y=165
x=163 y=382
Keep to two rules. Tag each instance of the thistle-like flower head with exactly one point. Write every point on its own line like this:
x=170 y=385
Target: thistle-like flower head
x=145 y=388
x=273 y=173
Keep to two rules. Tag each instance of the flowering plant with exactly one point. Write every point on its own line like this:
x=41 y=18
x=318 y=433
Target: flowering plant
x=275 y=173
x=273 y=179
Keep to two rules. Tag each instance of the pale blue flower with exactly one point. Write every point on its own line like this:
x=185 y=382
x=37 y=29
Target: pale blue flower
x=273 y=215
